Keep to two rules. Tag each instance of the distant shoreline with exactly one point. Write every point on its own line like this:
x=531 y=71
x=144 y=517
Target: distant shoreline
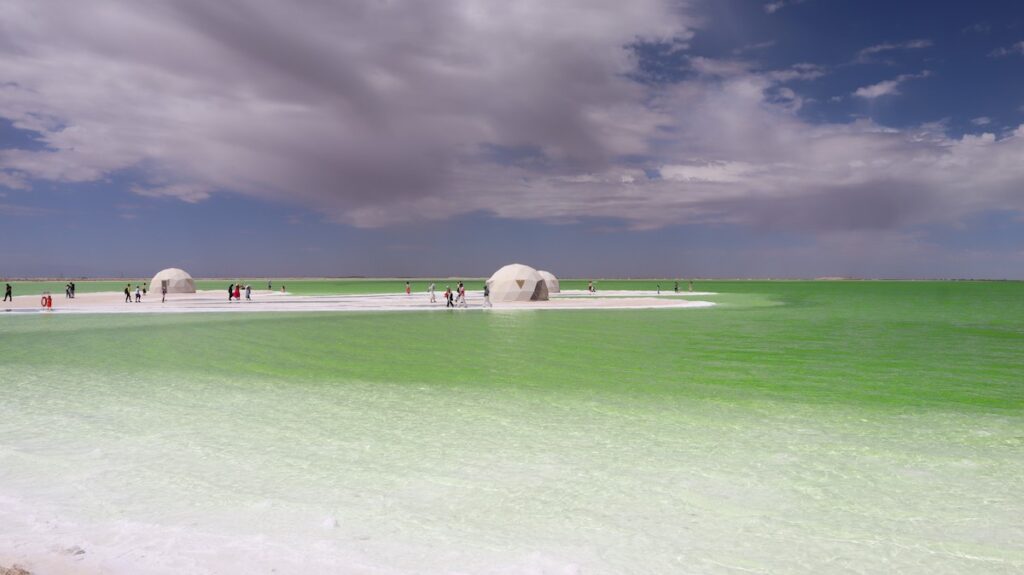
x=481 y=278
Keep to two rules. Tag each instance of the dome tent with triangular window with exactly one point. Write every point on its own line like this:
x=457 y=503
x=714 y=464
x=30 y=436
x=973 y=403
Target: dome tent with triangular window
x=178 y=281
x=516 y=282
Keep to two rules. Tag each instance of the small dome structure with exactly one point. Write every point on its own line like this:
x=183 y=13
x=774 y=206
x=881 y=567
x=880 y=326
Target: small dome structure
x=551 y=281
x=516 y=282
x=178 y=281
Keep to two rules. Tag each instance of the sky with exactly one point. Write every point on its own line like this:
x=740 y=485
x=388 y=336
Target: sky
x=592 y=138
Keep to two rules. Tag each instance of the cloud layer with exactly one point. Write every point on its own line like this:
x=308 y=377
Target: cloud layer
x=888 y=87
x=377 y=113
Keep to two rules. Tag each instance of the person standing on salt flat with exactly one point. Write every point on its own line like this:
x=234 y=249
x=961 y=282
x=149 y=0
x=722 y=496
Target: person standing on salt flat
x=128 y=293
x=487 y=295
x=238 y=292
x=7 y=293
x=138 y=294
x=462 y=295
x=72 y=290
x=448 y=297
x=231 y=291
x=433 y=296
x=676 y=287
x=163 y=292
x=248 y=292
x=270 y=285
x=408 y=289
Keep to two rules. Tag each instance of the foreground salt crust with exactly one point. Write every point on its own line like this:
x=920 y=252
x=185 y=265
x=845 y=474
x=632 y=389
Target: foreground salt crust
x=272 y=301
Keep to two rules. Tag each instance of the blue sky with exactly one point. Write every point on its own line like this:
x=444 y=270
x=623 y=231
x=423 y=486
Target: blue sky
x=593 y=138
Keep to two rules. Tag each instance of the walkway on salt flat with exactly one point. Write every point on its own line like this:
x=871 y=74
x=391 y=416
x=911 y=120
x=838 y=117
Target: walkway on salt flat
x=215 y=301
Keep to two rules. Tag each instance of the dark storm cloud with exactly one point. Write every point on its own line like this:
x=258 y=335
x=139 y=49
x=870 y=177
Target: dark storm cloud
x=878 y=206
x=381 y=112
x=358 y=109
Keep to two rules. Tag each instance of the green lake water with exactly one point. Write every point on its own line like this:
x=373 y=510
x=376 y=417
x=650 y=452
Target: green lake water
x=795 y=427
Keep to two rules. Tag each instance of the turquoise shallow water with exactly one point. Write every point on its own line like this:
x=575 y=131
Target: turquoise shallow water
x=795 y=427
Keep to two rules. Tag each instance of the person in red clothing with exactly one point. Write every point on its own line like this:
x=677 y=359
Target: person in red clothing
x=408 y=288
x=238 y=293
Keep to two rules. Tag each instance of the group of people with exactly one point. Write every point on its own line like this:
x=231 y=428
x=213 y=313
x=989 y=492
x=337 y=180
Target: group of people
x=592 y=288
x=676 y=287
x=139 y=292
x=235 y=292
x=456 y=298
x=69 y=290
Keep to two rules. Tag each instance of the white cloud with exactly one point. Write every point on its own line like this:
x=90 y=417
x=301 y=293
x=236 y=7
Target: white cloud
x=754 y=47
x=887 y=87
x=866 y=54
x=734 y=158
x=12 y=181
x=191 y=193
x=977 y=28
x=981 y=121
x=1017 y=48
x=800 y=71
x=773 y=7
x=723 y=172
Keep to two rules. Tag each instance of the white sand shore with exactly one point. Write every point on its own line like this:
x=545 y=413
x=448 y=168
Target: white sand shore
x=267 y=301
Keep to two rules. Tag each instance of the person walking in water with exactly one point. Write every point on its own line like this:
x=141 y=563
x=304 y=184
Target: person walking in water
x=231 y=291
x=138 y=294
x=7 y=293
x=433 y=296
x=128 y=293
x=487 y=295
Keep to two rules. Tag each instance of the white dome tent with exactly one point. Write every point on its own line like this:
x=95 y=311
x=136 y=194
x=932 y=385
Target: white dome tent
x=178 y=281
x=551 y=281
x=516 y=282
